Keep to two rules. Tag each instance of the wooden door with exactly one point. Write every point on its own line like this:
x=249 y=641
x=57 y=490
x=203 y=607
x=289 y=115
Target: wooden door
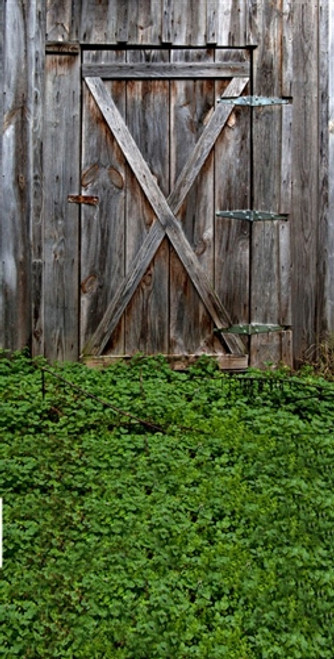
x=159 y=270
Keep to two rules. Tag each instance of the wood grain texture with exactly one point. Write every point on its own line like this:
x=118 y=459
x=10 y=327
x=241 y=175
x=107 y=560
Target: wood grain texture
x=287 y=47
x=98 y=21
x=2 y=228
x=61 y=232
x=62 y=20
x=232 y=22
x=211 y=22
x=147 y=118
x=184 y=23
x=192 y=104
x=21 y=170
x=157 y=200
x=325 y=269
x=305 y=159
x=104 y=176
x=166 y=219
x=166 y=70
x=35 y=58
x=270 y=270
x=233 y=191
x=329 y=299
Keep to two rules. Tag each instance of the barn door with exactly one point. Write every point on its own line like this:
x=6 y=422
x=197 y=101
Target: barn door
x=159 y=271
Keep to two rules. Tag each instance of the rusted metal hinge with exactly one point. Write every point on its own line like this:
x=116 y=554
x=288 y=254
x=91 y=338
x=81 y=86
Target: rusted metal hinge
x=253 y=101
x=252 y=216
x=250 y=329
x=82 y=199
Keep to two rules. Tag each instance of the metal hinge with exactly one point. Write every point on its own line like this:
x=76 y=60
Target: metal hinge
x=252 y=216
x=250 y=329
x=253 y=101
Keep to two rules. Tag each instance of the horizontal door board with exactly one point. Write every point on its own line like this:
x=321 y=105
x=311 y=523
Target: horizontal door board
x=176 y=362
x=169 y=70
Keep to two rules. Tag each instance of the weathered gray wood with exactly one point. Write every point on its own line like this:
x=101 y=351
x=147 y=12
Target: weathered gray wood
x=286 y=160
x=167 y=22
x=147 y=118
x=61 y=231
x=2 y=228
x=62 y=19
x=98 y=21
x=325 y=269
x=15 y=257
x=122 y=29
x=168 y=70
x=211 y=22
x=204 y=144
x=62 y=48
x=148 y=22
x=125 y=292
x=184 y=23
x=287 y=47
x=104 y=176
x=158 y=202
x=329 y=300
x=284 y=228
x=35 y=58
x=304 y=221
x=233 y=191
x=192 y=104
x=232 y=22
x=20 y=175
x=270 y=271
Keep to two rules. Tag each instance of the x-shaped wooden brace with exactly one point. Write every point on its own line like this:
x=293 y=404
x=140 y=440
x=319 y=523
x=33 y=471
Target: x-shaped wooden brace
x=165 y=210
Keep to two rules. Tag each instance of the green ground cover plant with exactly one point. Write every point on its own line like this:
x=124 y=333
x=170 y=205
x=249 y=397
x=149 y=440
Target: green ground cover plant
x=199 y=524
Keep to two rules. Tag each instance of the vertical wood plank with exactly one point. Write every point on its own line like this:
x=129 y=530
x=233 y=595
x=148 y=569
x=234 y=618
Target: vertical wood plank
x=167 y=21
x=184 y=23
x=98 y=21
x=115 y=21
x=148 y=21
x=36 y=100
x=211 y=22
x=122 y=25
x=287 y=47
x=18 y=153
x=102 y=227
x=329 y=312
x=2 y=87
x=62 y=19
x=232 y=191
x=61 y=168
x=270 y=271
x=284 y=228
x=305 y=197
x=232 y=23
x=147 y=316
x=192 y=103
x=325 y=270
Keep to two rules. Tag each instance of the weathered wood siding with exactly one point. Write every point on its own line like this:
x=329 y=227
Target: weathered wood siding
x=272 y=272
x=21 y=256
x=328 y=181
x=61 y=218
x=271 y=186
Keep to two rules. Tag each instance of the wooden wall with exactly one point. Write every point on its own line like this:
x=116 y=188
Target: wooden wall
x=294 y=56
x=21 y=174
